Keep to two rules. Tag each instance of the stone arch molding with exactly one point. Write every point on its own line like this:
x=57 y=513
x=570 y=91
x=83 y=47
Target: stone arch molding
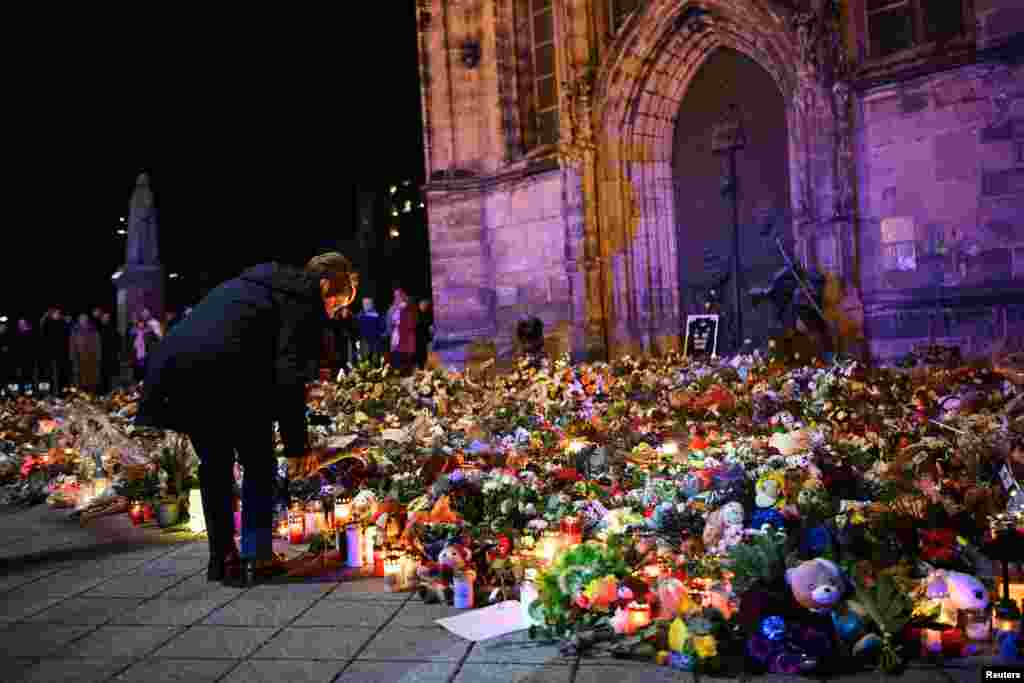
x=636 y=100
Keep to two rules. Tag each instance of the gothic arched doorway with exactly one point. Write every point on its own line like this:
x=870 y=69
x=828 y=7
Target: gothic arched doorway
x=704 y=220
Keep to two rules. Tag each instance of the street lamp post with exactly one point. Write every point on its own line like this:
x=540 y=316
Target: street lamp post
x=727 y=138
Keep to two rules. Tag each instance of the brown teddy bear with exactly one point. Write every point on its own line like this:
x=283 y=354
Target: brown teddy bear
x=816 y=584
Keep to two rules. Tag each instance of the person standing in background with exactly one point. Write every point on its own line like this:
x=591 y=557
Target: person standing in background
x=424 y=333
x=55 y=356
x=402 y=319
x=372 y=333
x=85 y=354
x=26 y=353
x=6 y=355
x=143 y=338
x=110 y=352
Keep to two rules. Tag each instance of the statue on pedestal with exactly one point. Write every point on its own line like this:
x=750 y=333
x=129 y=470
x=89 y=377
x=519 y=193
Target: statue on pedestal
x=143 y=246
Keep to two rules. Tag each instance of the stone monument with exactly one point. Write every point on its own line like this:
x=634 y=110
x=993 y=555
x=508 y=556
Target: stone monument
x=140 y=281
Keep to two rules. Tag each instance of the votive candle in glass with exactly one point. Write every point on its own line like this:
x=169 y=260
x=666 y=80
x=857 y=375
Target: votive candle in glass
x=296 y=526
x=638 y=616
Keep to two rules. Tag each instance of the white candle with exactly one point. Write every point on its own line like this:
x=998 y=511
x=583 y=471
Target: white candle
x=528 y=593
x=462 y=589
x=354 y=545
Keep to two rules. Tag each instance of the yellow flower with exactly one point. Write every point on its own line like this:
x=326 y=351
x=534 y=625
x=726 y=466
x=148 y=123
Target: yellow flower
x=705 y=646
x=678 y=634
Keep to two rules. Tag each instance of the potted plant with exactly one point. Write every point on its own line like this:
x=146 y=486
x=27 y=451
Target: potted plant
x=175 y=463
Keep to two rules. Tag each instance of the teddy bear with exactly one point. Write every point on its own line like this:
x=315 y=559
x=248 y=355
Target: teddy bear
x=817 y=584
x=790 y=627
x=955 y=591
x=724 y=528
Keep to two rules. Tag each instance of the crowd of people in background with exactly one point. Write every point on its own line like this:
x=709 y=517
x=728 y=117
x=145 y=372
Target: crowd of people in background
x=87 y=351
x=401 y=336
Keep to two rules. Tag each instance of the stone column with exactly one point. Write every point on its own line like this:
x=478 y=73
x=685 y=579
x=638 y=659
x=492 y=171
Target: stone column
x=140 y=282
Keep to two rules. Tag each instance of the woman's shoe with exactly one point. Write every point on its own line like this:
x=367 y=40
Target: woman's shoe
x=223 y=567
x=253 y=572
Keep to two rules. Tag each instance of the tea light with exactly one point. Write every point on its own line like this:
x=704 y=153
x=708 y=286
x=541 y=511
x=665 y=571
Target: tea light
x=576 y=445
x=196 y=518
x=638 y=617
x=282 y=528
x=669 y=448
x=99 y=486
x=296 y=526
x=136 y=514
x=572 y=530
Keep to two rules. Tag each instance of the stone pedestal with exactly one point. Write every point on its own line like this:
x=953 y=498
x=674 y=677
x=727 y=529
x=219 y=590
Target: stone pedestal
x=138 y=287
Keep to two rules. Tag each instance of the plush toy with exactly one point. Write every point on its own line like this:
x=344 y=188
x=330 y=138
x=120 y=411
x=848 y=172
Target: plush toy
x=724 y=528
x=455 y=556
x=816 y=584
x=769 y=489
x=955 y=591
x=794 y=632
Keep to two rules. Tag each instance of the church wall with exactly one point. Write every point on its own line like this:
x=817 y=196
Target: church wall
x=525 y=222
x=941 y=179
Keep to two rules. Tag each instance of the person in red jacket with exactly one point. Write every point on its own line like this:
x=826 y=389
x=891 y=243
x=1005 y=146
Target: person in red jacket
x=402 y=319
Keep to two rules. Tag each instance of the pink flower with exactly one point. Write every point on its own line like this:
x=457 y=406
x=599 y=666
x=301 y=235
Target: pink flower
x=620 y=622
x=582 y=601
x=626 y=593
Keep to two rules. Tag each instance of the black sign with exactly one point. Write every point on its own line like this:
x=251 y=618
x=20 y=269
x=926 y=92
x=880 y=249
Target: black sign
x=701 y=335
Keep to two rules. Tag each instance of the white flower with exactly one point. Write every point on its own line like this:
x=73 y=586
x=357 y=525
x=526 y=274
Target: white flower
x=506 y=506
x=491 y=486
x=529 y=510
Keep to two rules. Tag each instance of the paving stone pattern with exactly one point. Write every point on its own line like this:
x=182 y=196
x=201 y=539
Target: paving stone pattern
x=133 y=604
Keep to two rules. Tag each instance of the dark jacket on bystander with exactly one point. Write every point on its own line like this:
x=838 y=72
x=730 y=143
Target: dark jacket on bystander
x=245 y=353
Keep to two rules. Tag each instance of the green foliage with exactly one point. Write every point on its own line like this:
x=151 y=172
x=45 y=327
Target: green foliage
x=891 y=610
x=760 y=560
x=572 y=571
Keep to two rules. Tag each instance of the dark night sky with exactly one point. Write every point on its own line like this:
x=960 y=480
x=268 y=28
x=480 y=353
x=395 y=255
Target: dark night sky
x=254 y=140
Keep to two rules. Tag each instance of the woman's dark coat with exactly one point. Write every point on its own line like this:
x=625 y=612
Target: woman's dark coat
x=242 y=358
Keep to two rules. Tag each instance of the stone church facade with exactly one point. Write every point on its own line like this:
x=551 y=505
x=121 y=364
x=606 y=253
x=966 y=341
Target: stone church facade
x=572 y=175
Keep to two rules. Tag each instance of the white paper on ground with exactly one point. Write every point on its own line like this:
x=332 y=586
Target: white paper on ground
x=488 y=622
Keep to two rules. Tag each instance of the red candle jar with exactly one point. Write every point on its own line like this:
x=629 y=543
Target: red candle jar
x=135 y=513
x=148 y=515
x=378 y=563
x=572 y=530
x=296 y=526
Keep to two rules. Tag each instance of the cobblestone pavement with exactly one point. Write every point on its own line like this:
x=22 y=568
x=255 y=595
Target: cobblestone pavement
x=115 y=603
